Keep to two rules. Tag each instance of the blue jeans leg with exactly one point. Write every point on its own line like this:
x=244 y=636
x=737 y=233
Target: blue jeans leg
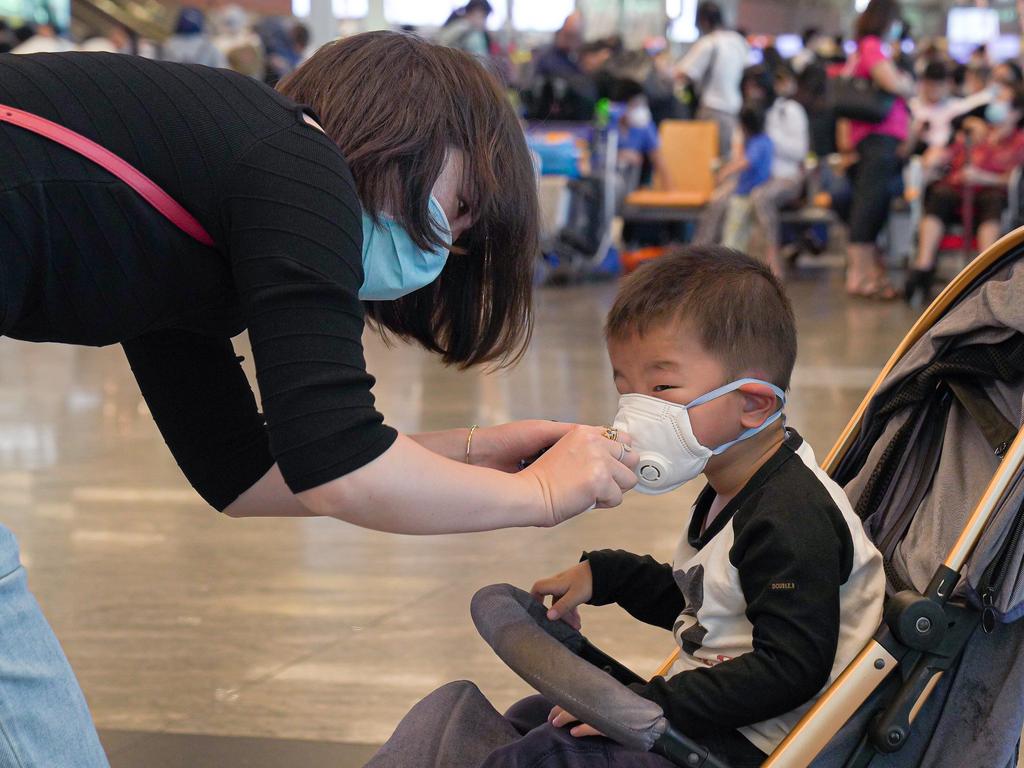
x=44 y=720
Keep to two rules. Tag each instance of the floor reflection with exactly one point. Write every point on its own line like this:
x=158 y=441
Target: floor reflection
x=179 y=620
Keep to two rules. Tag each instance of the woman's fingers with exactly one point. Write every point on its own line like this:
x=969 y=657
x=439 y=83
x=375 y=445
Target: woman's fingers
x=547 y=433
x=621 y=450
x=583 y=470
x=621 y=479
x=622 y=436
x=610 y=496
x=623 y=473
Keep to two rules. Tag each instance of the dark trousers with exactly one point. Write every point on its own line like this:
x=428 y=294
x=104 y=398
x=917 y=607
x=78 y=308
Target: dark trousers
x=456 y=727
x=875 y=180
x=543 y=746
x=947 y=203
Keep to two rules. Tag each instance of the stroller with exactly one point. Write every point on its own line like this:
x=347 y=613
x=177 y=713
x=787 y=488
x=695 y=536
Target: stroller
x=933 y=462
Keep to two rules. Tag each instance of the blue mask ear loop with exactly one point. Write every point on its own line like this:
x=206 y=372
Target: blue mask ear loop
x=440 y=221
x=732 y=387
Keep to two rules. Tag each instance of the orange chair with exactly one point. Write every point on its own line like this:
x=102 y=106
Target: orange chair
x=689 y=149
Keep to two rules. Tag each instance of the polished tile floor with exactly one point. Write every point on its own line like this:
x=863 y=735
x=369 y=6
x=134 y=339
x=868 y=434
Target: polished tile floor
x=184 y=626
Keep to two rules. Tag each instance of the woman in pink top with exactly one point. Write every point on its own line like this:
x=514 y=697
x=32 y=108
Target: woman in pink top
x=876 y=147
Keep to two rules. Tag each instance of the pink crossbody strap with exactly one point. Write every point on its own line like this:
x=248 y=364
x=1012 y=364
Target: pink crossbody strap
x=116 y=166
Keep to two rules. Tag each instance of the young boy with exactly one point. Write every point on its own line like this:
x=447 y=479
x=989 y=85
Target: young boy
x=774 y=587
x=754 y=169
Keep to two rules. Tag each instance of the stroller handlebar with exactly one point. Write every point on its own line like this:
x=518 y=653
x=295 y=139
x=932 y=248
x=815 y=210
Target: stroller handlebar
x=559 y=663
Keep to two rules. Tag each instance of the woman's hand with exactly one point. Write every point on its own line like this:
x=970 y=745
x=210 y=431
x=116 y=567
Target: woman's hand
x=559 y=718
x=569 y=590
x=506 y=446
x=582 y=471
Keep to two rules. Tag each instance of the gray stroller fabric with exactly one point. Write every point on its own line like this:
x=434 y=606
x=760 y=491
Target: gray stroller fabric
x=949 y=465
x=972 y=718
x=453 y=727
x=539 y=651
x=975 y=715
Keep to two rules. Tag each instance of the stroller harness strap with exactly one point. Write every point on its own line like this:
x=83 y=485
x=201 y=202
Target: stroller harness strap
x=998 y=430
x=148 y=189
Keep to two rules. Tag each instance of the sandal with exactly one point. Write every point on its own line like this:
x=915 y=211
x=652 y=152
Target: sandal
x=877 y=290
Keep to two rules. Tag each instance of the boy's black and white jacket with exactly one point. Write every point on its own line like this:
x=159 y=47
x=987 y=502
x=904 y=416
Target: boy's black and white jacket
x=768 y=605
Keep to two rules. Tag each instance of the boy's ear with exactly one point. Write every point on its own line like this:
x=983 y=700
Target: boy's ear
x=759 y=403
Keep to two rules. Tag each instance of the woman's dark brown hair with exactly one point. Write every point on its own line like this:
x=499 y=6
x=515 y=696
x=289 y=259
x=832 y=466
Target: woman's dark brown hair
x=877 y=18
x=396 y=105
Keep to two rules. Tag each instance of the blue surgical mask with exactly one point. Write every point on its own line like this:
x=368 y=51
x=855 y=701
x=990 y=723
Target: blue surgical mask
x=996 y=112
x=393 y=265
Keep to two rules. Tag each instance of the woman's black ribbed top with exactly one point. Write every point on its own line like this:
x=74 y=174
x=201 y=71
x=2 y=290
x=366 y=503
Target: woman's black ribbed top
x=84 y=260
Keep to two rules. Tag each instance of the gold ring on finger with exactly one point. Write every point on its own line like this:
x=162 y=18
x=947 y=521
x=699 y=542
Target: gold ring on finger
x=611 y=433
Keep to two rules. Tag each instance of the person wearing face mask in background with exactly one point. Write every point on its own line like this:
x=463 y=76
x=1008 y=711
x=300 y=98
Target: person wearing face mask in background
x=639 y=159
x=983 y=161
x=981 y=86
x=387 y=179
x=774 y=588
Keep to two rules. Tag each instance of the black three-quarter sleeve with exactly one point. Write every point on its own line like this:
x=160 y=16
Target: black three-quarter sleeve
x=201 y=400
x=790 y=564
x=295 y=243
x=642 y=586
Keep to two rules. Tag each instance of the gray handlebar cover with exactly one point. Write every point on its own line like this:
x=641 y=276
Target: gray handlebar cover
x=544 y=654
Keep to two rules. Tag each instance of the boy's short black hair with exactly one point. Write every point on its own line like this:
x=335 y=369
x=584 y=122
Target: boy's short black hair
x=733 y=302
x=752 y=118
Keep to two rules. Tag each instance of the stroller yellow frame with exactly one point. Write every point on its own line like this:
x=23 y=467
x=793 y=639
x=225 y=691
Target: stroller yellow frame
x=875 y=662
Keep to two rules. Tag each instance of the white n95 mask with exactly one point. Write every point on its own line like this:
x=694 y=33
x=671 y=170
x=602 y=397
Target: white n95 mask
x=669 y=453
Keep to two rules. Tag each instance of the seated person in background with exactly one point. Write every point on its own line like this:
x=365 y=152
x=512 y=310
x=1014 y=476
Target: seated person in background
x=774 y=587
x=752 y=169
x=931 y=113
x=787 y=126
x=980 y=165
x=559 y=88
x=758 y=87
x=639 y=159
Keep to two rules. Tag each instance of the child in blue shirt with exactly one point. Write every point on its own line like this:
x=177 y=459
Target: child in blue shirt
x=639 y=158
x=754 y=169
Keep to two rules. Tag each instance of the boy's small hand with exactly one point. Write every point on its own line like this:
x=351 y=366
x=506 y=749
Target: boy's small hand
x=569 y=589
x=559 y=718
